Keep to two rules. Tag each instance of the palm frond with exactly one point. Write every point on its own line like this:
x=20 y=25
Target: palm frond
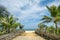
x=46 y=19
x=5 y=24
x=57 y=18
x=15 y=24
x=52 y=10
x=58 y=10
x=41 y=25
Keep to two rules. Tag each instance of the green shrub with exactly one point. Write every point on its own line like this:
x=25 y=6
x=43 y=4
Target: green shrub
x=0 y=33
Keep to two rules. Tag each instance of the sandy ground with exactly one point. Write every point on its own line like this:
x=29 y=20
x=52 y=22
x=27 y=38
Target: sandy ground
x=28 y=35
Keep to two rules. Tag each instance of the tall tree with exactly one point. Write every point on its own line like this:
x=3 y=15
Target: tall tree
x=4 y=14
x=7 y=21
x=54 y=15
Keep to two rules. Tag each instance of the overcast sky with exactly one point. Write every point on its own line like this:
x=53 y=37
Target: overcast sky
x=29 y=12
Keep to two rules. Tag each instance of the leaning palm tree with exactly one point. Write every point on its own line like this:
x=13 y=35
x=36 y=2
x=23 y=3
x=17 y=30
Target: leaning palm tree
x=4 y=14
x=4 y=24
x=13 y=24
x=7 y=21
x=10 y=24
x=54 y=16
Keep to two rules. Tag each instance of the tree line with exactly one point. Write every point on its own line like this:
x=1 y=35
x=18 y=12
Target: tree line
x=8 y=23
x=54 y=17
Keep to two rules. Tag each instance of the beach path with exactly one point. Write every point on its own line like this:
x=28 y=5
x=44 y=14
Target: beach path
x=28 y=35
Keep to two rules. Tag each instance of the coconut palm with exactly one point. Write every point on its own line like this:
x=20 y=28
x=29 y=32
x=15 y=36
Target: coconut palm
x=41 y=26
x=13 y=24
x=4 y=14
x=7 y=21
x=5 y=24
x=54 y=16
x=10 y=24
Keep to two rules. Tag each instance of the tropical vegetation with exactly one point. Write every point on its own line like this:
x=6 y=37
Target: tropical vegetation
x=54 y=17
x=50 y=32
x=8 y=23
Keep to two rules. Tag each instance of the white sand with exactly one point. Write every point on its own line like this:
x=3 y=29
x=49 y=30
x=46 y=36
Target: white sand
x=29 y=31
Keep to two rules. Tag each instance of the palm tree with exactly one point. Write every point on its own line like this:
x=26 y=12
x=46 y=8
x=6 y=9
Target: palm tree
x=7 y=21
x=5 y=24
x=54 y=16
x=13 y=24
x=4 y=14
x=9 y=25
x=42 y=26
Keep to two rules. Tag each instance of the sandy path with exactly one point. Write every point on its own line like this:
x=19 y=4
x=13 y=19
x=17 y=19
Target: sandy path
x=29 y=35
